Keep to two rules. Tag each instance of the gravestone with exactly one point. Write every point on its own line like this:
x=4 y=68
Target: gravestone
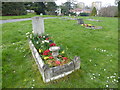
x=80 y=21
x=38 y=25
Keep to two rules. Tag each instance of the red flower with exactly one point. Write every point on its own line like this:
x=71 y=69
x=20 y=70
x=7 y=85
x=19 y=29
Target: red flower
x=50 y=57
x=46 y=52
x=57 y=62
x=65 y=58
x=47 y=38
x=52 y=44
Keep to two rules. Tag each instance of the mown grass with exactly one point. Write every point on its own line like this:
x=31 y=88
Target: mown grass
x=29 y=15
x=98 y=50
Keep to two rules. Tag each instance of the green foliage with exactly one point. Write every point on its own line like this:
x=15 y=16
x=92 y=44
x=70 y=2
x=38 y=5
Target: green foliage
x=51 y=8
x=13 y=8
x=66 y=7
x=84 y=14
x=119 y=9
x=39 y=7
x=94 y=12
x=98 y=50
x=29 y=5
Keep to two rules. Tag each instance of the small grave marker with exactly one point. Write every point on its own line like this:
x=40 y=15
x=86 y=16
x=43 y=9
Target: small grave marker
x=80 y=21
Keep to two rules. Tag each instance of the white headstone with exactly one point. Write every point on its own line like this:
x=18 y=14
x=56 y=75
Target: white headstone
x=38 y=25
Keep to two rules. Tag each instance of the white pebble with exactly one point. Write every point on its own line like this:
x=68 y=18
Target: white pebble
x=114 y=73
x=33 y=80
x=98 y=74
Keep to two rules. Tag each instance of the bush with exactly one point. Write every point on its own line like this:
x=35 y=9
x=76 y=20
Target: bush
x=84 y=14
x=13 y=8
x=94 y=12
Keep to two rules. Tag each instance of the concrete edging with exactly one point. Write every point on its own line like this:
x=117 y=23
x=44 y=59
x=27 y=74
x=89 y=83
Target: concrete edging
x=52 y=73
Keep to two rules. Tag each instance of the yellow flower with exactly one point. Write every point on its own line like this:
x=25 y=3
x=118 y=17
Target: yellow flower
x=82 y=25
x=40 y=50
x=89 y=24
x=62 y=52
x=46 y=58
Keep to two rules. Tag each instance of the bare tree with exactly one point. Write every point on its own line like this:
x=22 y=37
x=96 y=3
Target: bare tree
x=109 y=11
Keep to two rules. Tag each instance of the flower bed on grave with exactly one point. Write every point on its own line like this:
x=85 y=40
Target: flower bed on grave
x=49 y=67
x=42 y=44
x=90 y=26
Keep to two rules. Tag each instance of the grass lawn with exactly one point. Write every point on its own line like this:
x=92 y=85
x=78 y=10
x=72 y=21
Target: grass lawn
x=98 y=50
x=29 y=15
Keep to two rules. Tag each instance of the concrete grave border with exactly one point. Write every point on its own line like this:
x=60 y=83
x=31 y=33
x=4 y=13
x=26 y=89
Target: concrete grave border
x=52 y=73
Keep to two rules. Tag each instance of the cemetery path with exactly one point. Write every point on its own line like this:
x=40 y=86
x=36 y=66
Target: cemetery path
x=25 y=19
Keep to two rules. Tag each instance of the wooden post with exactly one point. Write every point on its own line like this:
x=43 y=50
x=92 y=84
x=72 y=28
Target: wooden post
x=38 y=25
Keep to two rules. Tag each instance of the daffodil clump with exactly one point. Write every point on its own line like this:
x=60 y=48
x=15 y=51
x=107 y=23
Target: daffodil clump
x=42 y=43
x=87 y=25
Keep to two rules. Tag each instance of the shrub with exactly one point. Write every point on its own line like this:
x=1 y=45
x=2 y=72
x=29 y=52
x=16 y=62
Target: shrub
x=84 y=14
x=13 y=8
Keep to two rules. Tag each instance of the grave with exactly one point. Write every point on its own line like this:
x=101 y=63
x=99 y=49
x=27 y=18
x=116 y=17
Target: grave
x=50 y=73
x=88 y=26
x=80 y=21
x=94 y=20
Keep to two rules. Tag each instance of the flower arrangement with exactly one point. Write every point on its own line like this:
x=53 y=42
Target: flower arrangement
x=42 y=43
x=90 y=26
x=87 y=25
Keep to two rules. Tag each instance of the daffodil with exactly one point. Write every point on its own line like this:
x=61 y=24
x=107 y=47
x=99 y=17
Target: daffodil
x=89 y=24
x=62 y=52
x=40 y=50
x=46 y=58
x=82 y=25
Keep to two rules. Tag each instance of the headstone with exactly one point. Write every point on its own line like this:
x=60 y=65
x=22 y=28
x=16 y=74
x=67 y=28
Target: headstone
x=38 y=25
x=80 y=21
